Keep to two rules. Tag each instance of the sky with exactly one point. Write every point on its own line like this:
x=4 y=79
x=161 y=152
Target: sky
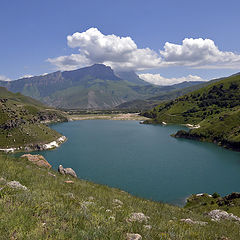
x=165 y=42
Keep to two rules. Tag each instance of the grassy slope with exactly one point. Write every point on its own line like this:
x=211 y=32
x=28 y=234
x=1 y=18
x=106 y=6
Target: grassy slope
x=52 y=209
x=20 y=121
x=215 y=107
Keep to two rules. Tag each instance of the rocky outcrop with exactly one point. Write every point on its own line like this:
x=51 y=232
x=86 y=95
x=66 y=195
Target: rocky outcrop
x=228 y=200
x=39 y=160
x=217 y=215
x=67 y=171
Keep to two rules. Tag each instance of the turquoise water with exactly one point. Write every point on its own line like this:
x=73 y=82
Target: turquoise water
x=145 y=160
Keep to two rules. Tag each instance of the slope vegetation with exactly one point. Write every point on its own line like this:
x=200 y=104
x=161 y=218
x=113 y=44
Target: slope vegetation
x=214 y=109
x=22 y=122
x=48 y=207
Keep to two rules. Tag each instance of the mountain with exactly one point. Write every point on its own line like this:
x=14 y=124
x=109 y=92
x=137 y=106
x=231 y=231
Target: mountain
x=22 y=122
x=213 y=113
x=94 y=87
x=132 y=77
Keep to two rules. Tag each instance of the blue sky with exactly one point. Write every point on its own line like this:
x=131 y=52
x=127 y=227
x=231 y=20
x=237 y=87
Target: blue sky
x=34 y=31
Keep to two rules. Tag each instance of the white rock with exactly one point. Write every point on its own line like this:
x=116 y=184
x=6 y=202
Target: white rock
x=138 y=217
x=17 y=185
x=217 y=215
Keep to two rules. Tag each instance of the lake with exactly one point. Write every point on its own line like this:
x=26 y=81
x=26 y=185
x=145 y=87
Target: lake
x=145 y=160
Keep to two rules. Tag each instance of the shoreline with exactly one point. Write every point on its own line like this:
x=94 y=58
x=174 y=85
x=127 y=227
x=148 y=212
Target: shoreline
x=36 y=147
x=118 y=116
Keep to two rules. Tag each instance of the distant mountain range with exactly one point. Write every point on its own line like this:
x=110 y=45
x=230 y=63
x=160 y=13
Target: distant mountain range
x=94 y=87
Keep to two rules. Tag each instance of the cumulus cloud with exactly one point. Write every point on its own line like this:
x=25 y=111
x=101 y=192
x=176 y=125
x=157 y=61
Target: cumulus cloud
x=157 y=79
x=117 y=52
x=4 y=78
x=122 y=53
x=199 y=53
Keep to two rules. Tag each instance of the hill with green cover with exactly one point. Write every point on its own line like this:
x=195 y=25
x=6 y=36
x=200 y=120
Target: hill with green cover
x=22 y=122
x=38 y=203
x=213 y=113
x=94 y=87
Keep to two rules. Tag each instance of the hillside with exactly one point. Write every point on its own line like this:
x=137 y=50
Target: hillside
x=22 y=122
x=167 y=93
x=94 y=87
x=45 y=206
x=214 y=109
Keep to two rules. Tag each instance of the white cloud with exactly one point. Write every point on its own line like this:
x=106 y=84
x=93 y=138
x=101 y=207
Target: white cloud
x=117 y=52
x=4 y=78
x=122 y=53
x=67 y=63
x=157 y=79
x=199 y=53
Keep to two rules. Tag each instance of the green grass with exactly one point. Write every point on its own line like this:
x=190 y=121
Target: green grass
x=21 y=121
x=52 y=209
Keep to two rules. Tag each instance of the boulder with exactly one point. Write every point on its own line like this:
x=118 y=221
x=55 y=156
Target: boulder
x=67 y=171
x=37 y=159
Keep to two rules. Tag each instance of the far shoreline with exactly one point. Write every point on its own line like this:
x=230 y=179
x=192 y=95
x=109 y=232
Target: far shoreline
x=115 y=116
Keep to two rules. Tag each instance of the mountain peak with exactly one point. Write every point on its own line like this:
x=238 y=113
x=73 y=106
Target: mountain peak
x=131 y=76
x=99 y=71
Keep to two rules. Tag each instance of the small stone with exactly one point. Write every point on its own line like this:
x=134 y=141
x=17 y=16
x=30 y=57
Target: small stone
x=133 y=236
x=138 y=217
x=117 y=201
x=17 y=185
x=190 y=221
x=69 y=181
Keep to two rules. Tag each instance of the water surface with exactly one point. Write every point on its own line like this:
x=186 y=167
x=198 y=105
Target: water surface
x=145 y=160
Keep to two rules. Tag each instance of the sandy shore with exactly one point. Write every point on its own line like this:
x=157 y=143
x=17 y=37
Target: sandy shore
x=121 y=116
